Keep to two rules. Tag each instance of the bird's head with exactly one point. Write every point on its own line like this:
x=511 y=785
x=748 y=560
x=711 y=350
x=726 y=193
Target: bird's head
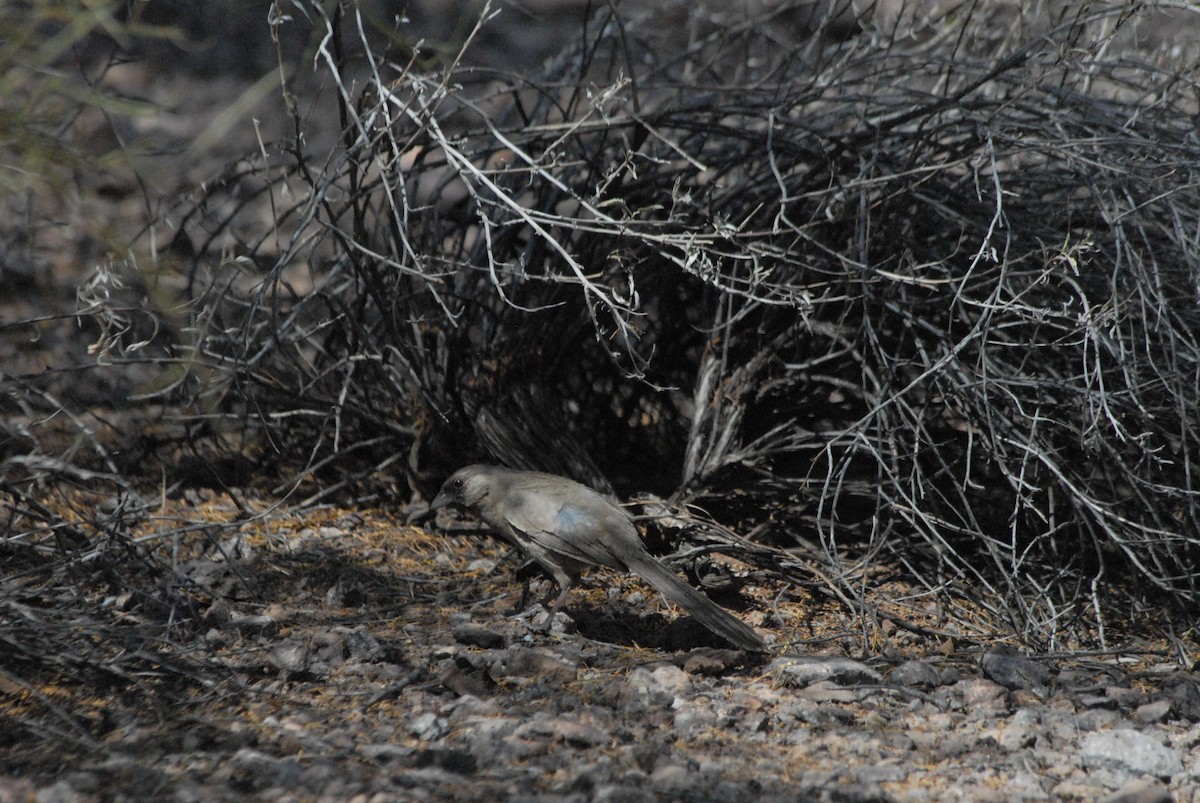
x=466 y=487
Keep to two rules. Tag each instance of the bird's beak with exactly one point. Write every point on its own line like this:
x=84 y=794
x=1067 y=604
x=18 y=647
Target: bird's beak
x=441 y=500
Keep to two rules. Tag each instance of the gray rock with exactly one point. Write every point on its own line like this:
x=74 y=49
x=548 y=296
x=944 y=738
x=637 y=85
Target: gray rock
x=61 y=792
x=360 y=645
x=1018 y=731
x=693 y=717
x=1013 y=671
x=466 y=678
x=672 y=679
x=829 y=691
x=673 y=779
x=1074 y=789
x=1152 y=713
x=1023 y=786
x=418 y=782
x=661 y=684
x=429 y=726
x=578 y=734
x=251 y=770
x=570 y=731
x=1140 y=792
x=477 y=636
x=842 y=792
x=1129 y=750
x=982 y=694
x=915 y=674
x=956 y=745
x=290 y=656
x=1126 y=697
x=519 y=661
x=252 y=624
x=792 y=711
x=482 y=735
x=797 y=671
x=1098 y=719
x=328 y=651
x=621 y=793
x=1185 y=697
x=883 y=773
x=1097 y=701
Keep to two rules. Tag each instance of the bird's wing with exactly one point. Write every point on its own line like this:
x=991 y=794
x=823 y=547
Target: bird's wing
x=574 y=531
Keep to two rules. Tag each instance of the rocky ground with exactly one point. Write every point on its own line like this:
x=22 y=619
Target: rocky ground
x=345 y=656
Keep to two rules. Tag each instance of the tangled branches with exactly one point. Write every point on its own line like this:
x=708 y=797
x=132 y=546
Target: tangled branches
x=908 y=296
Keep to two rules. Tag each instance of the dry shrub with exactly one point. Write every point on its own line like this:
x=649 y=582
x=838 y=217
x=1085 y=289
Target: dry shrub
x=906 y=294
x=924 y=295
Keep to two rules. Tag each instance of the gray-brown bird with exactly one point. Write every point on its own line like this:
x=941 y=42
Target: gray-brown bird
x=566 y=526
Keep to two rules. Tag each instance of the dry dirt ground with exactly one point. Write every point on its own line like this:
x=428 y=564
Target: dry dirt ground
x=344 y=654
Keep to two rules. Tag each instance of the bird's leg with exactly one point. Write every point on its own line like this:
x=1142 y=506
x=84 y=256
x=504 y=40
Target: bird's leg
x=565 y=582
x=565 y=585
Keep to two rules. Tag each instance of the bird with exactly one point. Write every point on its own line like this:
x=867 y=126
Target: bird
x=566 y=526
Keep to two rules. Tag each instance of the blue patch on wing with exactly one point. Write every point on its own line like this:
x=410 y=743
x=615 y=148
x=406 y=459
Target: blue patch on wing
x=571 y=520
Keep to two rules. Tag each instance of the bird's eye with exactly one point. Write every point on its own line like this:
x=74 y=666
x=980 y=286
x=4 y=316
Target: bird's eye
x=457 y=485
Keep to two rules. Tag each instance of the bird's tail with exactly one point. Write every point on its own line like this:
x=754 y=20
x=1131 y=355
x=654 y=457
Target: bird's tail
x=710 y=614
